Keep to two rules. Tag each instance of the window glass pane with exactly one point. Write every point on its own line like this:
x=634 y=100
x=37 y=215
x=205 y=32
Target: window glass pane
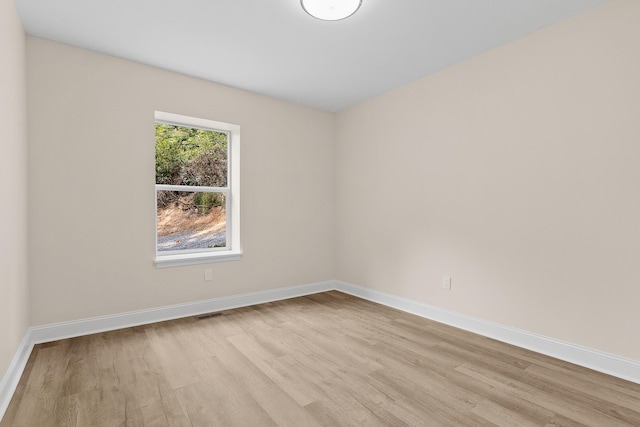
x=188 y=156
x=190 y=220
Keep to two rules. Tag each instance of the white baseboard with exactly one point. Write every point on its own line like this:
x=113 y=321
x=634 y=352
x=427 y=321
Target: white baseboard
x=58 y=331
x=589 y=358
x=607 y=363
x=10 y=380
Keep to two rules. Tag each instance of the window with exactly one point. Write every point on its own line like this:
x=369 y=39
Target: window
x=197 y=190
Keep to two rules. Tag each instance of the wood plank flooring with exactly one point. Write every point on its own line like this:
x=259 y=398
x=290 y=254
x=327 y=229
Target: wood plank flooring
x=323 y=360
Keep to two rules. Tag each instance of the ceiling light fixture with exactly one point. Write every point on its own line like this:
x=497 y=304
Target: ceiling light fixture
x=330 y=10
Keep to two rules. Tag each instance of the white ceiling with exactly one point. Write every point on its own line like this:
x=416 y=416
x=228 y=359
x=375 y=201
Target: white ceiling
x=273 y=47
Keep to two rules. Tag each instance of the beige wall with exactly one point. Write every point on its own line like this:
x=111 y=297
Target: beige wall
x=517 y=173
x=13 y=191
x=92 y=218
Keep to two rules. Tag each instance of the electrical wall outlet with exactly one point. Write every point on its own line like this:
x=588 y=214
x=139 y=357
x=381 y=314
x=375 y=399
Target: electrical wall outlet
x=208 y=275
x=446 y=283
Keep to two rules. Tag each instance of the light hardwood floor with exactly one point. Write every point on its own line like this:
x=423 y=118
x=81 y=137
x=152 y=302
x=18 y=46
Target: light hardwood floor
x=327 y=359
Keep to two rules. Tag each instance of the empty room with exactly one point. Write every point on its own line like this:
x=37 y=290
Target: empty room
x=320 y=212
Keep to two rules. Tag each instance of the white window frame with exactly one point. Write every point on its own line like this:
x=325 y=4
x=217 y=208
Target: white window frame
x=232 y=251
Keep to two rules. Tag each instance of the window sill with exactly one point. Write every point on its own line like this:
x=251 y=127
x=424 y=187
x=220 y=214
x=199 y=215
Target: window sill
x=164 y=261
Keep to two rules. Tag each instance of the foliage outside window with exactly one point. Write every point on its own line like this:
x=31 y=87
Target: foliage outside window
x=193 y=191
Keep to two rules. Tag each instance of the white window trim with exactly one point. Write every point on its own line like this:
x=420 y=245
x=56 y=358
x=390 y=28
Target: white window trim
x=232 y=252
